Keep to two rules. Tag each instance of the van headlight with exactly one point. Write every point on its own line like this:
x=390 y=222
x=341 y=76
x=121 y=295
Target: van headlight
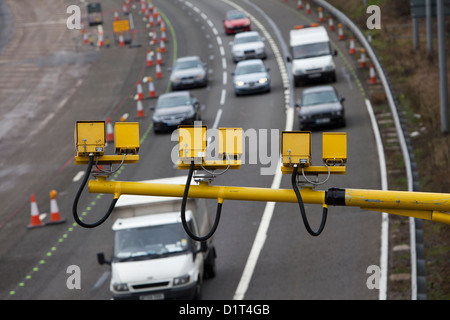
x=298 y=72
x=120 y=286
x=178 y=281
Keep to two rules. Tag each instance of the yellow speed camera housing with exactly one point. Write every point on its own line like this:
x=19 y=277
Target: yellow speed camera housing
x=334 y=148
x=296 y=148
x=192 y=143
x=90 y=138
x=126 y=137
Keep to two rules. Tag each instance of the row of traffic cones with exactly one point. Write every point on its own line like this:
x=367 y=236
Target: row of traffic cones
x=35 y=215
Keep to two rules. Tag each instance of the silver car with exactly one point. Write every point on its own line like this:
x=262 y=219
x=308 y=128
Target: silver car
x=251 y=76
x=320 y=106
x=248 y=45
x=189 y=72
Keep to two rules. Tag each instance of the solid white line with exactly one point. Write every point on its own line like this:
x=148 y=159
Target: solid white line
x=382 y=294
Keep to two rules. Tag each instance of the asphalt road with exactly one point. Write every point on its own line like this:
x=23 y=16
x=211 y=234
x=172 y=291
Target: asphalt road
x=49 y=79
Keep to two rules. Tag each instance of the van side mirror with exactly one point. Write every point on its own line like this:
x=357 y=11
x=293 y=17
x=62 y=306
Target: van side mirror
x=101 y=259
x=335 y=52
x=288 y=59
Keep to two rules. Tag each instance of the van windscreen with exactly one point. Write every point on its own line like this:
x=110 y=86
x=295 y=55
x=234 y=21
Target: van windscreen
x=311 y=50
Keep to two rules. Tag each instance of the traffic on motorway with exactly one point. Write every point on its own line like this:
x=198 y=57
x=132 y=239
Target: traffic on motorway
x=223 y=66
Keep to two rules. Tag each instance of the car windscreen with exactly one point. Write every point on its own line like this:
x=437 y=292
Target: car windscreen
x=150 y=242
x=187 y=64
x=311 y=50
x=235 y=15
x=249 y=68
x=319 y=97
x=249 y=39
x=173 y=101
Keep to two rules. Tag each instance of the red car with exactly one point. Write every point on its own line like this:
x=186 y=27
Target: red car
x=236 y=21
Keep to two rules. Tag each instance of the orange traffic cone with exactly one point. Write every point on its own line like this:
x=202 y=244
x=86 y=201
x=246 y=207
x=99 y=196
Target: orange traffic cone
x=320 y=14
x=101 y=42
x=35 y=219
x=109 y=131
x=154 y=37
x=162 y=46
x=140 y=109
x=158 y=71
x=149 y=58
x=330 y=23
x=85 y=38
x=373 y=78
x=55 y=216
x=140 y=93
x=341 y=32
x=299 y=5
x=158 y=56
x=352 y=46
x=116 y=15
x=362 y=60
x=151 y=88
x=163 y=36
x=308 y=8
x=121 y=40
x=151 y=21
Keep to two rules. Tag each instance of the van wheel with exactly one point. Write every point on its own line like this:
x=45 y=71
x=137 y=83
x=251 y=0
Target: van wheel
x=198 y=290
x=210 y=263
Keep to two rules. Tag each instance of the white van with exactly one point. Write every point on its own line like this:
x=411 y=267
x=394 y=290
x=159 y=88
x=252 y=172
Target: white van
x=153 y=257
x=311 y=54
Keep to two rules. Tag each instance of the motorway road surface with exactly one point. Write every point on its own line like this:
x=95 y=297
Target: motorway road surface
x=50 y=79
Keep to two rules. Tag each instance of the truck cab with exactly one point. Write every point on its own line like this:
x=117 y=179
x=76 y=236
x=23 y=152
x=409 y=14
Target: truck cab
x=311 y=54
x=153 y=257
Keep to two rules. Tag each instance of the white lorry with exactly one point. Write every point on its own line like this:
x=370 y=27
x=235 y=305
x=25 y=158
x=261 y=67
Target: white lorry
x=311 y=54
x=153 y=257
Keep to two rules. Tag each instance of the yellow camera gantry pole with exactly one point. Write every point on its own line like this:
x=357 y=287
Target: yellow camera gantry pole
x=296 y=155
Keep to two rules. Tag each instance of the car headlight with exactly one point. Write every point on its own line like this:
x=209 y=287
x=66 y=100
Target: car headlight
x=120 y=286
x=200 y=76
x=181 y=280
x=189 y=114
x=156 y=118
x=239 y=83
x=263 y=80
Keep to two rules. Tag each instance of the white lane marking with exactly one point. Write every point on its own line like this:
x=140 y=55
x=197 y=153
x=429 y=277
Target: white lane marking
x=78 y=176
x=216 y=121
x=222 y=97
